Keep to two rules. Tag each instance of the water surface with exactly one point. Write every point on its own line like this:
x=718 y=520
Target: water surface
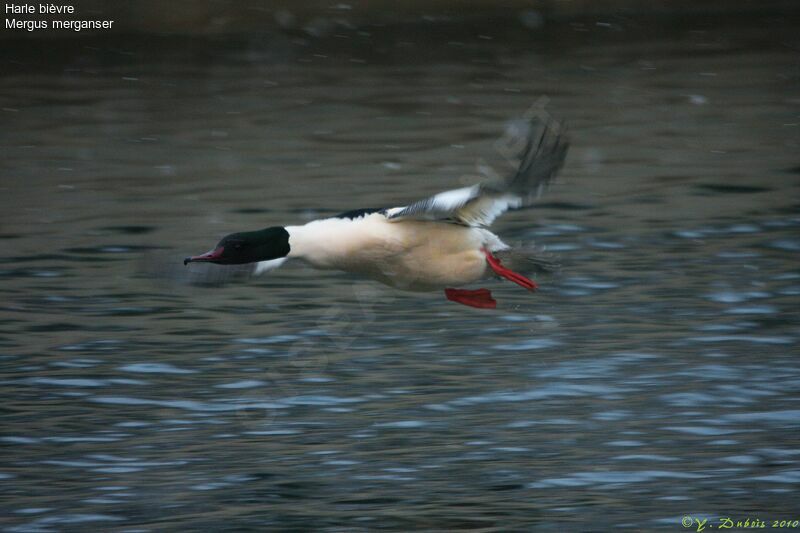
x=655 y=376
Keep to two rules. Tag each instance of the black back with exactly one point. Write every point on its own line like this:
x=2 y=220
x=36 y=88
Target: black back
x=358 y=213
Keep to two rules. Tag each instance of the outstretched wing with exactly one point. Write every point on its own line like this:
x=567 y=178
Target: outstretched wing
x=479 y=205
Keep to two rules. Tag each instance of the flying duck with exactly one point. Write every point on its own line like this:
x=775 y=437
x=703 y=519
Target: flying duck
x=441 y=242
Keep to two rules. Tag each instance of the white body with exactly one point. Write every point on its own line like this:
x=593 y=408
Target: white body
x=412 y=255
x=434 y=243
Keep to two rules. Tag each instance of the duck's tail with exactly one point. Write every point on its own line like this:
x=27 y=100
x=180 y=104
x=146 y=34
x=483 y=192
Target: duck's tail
x=529 y=259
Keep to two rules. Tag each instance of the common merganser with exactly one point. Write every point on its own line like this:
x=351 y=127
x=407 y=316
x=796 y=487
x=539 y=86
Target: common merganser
x=436 y=243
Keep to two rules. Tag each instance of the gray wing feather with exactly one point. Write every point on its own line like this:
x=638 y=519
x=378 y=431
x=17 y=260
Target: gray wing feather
x=542 y=158
x=437 y=207
x=479 y=205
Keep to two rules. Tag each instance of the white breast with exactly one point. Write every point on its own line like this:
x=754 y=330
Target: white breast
x=411 y=255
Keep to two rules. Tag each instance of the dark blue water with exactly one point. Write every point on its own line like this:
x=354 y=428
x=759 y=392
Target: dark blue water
x=655 y=376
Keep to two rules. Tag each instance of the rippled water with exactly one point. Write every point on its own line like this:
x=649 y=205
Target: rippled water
x=656 y=376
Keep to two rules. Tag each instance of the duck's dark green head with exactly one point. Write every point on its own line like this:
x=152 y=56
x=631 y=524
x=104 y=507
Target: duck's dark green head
x=247 y=247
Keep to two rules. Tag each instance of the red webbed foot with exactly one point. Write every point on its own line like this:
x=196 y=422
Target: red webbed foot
x=480 y=298
x=510 y=275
